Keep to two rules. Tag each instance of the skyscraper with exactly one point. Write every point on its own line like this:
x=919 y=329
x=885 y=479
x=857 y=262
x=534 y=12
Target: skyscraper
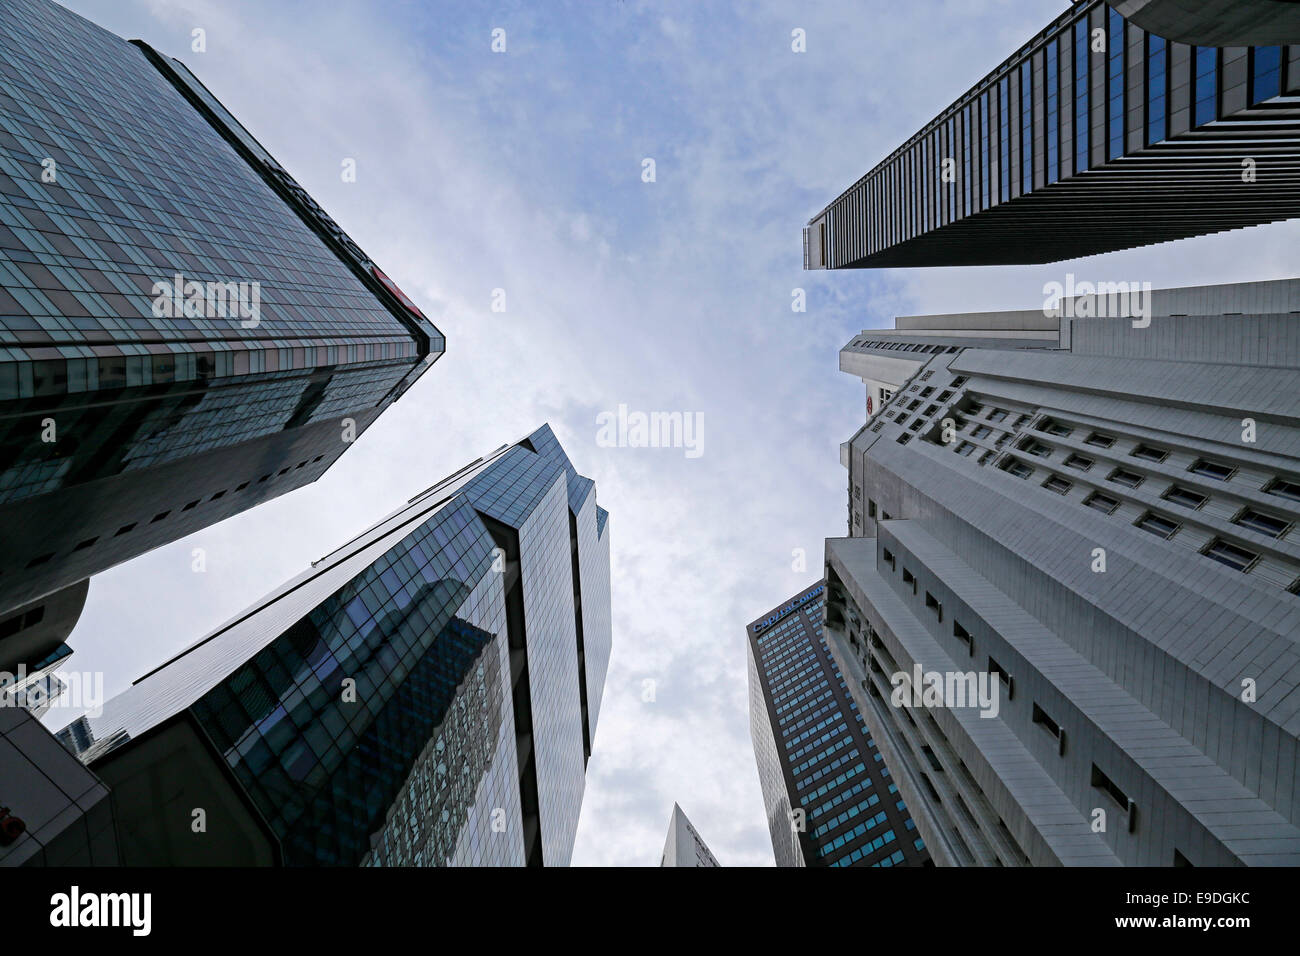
x=685 y=846
x=184 y=333
x=1094 y=533
x=426 y=694
x=1094 y=136
x=829 y=796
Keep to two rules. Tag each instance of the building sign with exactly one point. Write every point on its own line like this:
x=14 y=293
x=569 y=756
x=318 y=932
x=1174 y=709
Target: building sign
x=792 y=606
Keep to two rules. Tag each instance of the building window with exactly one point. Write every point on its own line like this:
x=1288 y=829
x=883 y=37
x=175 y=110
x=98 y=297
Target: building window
x=997 y=415
x=1058 y=484
x=964 y=636
x=1157 y=83
x=1026 y=127
x=1234 y=557
x=1157 y=524
x=1057 y=429
x=1003 y=675
x=908 y=579
x=1212 y=469
x=1283 y=489
x=1082 y=58
x=965 y=448
x=1036 y=448
x=1265 y=524
x=1046 y=722
x=1185 y=497
x=1053 y=112
x=933 y=604
x=1103 y=782
x=871 y=508
x=1100 y=440
x=1017 y=468
x=1103 y=503
x=981 y=431
x=1115 y=49
x=888 y=557
x=1265 y=73
x=1004 y=154
x=1129 y=479
x=1206 y=84
x=1148 y=453
x=1080 y=462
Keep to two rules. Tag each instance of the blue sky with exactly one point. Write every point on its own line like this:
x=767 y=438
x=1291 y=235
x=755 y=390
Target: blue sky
x=522 y=171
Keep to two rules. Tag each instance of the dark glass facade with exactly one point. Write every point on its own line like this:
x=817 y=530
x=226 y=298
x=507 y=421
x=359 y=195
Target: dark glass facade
x=138 y=404
x=1092 y=93
x=828 y=795
x=425 y=695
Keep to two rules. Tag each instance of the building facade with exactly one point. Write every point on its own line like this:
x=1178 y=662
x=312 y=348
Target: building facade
x=427 y=694
x=1216 y=22
x=1095 y=136
x=184 y=333
x=827 y=791
x=685 y=846
x=1098 y=534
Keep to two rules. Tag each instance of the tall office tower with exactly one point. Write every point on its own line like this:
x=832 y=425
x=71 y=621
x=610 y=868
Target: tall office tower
x=1094 y=136
x=427 y=694
x=184 y=333
x=1097 y=537
x=685 y=846
x=1216 y=22
x=828 y=793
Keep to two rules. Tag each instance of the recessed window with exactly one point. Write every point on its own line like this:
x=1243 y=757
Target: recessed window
x=1157 y=525
x=219 y=494
x=1185 y=497
x=1036 y=448
x=83 y=545
x=933 y=604
x=903 y=439
x=1100 y=440
x=124 y=529
x=1078 y=461
x=945 y=395
x=1003 y=675
x=1122 y=476
x=1056 y=428
x=887 y=556
x=909 y=579
x=1103 y=503
x=1103 y=782
x=159 y=516
x=1212 y=469
x=997 y=415
x=1058 y=484
x=900 y=420
x=882 y=394
x=981 y=431
x=1046 y=722
x=871 y=508
x=914 y=405
x=1284 y=489
x=192 y=505
x=959 y=381
x=1268 y=524
x=1017 y=468
x=964 y=636
x=965 y=448
x=1230 y=554
x=1148 y=453
x=263 y=478
x=927 y=392
x=242 y=487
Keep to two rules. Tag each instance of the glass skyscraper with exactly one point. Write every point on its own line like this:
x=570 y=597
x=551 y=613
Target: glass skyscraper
x=829 y=797
x=184 y=333
x=1095 y=136
x=427 y=694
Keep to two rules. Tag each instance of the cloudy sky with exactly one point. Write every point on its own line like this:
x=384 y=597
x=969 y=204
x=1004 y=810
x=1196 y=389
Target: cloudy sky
x=522 y=171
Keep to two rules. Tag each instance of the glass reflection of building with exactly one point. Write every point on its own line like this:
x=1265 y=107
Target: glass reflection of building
x=122 y=427
x=424 y=695
x=1095 y=136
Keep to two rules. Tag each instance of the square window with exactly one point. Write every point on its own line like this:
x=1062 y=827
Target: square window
x=1058 y=484
x=1185 y=497
x=1148 y=453
x=1100 y=440
x=1018 y=468
x=1103 y=503
x=1080 y=462
x=1122 y=476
